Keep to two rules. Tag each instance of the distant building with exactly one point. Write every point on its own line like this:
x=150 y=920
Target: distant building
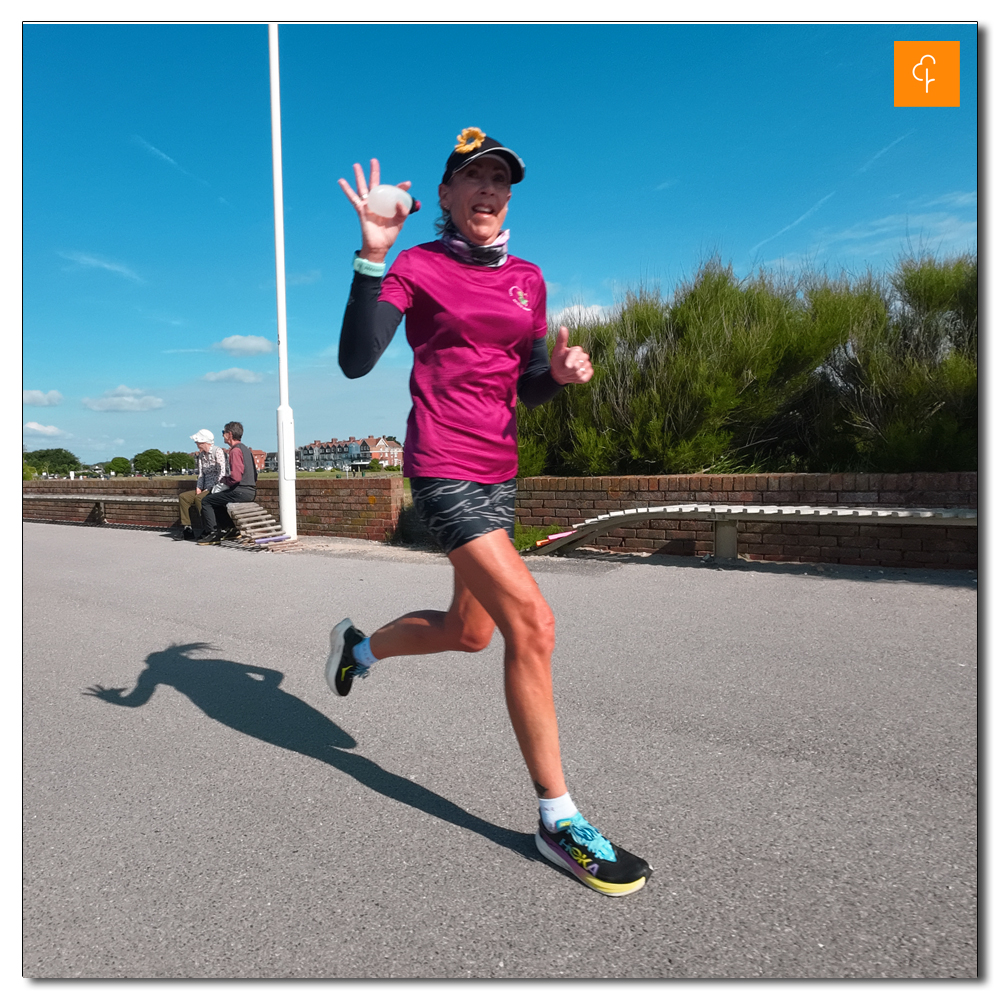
x=386 y=451
x=350 y=455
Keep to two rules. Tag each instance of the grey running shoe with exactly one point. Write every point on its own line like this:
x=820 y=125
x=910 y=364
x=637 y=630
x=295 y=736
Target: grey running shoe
x=340 y=666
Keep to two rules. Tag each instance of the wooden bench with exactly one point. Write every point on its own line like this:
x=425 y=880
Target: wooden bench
x=259 y=532
x=100 y=499
x=726 y=516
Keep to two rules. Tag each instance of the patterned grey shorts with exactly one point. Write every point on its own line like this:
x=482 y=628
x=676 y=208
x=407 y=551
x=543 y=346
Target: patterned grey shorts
x=456 y=511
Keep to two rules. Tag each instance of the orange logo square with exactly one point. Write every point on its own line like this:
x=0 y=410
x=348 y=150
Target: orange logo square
x=925 y=74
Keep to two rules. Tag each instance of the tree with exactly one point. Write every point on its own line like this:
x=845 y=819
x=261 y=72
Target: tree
x=178 y=461
x=119 y=466
x=27 y=471
x=375 y=465
x=57 y=461
x=150 y=461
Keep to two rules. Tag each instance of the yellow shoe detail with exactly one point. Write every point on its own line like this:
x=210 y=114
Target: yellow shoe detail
x=611 y=888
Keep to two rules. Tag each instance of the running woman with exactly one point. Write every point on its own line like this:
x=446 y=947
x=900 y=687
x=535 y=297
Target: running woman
x=475 y=318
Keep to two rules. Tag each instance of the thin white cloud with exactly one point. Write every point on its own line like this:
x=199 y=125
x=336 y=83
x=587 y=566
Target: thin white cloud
x=35 y=397
x=665 y=184
x=941 y=233
x=805 y=215
x=882 y=152
x=150 y=148
x=578 y=315
x=124 y=400
x=934 y=228
x=308 y=278
x=242 y=347
x=234 y=375
x=159 y=317
x=92 y=260
x=954 y=199
x=163 y=423
x=33 y=429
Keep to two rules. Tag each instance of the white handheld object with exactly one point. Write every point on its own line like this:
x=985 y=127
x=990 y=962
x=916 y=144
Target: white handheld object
x=384 y=199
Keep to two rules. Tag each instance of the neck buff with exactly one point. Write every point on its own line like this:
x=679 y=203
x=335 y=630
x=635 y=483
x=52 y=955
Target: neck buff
x=471 y=253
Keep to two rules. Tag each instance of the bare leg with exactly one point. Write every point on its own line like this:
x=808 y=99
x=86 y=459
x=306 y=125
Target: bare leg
x=501 y=583
x=493 y=588
x=465 y=626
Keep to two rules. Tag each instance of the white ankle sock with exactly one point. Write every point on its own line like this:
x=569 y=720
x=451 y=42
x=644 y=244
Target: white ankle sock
x=362 y=654
x=553 y=810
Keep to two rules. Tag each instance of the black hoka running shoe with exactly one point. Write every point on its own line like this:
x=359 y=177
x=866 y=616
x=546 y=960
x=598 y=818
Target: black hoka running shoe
x=340 y=666
x=594 y=860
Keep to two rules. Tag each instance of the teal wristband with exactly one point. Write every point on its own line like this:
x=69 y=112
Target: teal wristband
x=369 y=268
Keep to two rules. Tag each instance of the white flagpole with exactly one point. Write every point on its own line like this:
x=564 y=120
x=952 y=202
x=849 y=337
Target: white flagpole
x=286 y=423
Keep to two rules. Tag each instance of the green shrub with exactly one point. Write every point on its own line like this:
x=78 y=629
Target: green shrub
x=773 y=374
x=525 y=535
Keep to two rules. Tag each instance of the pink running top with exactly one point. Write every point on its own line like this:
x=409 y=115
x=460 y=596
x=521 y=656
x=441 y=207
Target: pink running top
x=471 y=329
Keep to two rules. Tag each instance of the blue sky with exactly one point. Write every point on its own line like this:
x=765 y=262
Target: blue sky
x=148 y=255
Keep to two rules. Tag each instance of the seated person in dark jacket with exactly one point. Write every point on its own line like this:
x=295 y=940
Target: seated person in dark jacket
x=240 y=487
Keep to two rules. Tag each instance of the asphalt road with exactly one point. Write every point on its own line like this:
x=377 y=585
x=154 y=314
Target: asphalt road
x=793 y=751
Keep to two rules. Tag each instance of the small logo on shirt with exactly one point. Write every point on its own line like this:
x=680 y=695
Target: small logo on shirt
x=520 y=298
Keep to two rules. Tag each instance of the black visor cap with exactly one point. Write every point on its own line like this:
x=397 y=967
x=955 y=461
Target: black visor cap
x=488 y=147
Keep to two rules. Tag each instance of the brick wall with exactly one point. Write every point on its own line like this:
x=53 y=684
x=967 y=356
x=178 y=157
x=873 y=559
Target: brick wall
x=85 y=511
x=348 y=508
x=549 y=500
x=370 y=508
x=352 y=508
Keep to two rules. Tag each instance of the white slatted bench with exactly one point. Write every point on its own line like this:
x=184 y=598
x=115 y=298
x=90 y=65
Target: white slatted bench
x=100 y=499
x=259 y=532
x=726 y=516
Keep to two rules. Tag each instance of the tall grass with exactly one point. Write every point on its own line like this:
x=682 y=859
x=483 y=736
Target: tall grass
x=773 y=373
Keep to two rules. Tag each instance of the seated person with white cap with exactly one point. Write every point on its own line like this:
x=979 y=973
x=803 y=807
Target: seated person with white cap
x=211 y=470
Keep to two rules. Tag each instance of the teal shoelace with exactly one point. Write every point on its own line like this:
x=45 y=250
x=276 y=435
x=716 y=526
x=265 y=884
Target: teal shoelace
x=588 y=836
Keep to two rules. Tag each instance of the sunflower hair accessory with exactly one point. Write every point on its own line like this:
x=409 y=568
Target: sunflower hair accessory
x=469 y=139
x=474 y=143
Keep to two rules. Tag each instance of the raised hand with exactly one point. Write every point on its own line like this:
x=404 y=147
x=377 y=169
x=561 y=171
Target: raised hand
x=105 y=694
x=377 y=234
x=570 y=364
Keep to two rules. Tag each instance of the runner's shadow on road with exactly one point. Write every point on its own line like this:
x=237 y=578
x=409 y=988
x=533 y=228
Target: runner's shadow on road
x=249 y=699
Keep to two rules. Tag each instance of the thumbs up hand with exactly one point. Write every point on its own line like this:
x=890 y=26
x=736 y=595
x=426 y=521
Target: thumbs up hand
x=570 y=364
